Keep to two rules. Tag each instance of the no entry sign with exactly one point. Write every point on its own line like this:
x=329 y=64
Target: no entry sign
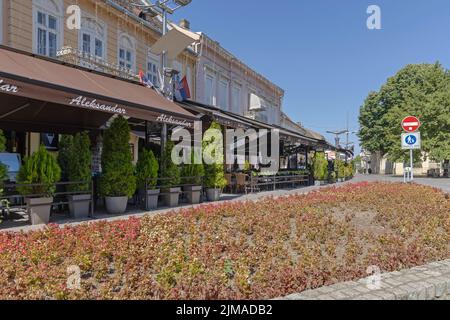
x=411 y=124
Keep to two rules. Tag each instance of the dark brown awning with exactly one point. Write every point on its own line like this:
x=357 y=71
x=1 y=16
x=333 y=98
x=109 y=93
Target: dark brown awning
x=53 y=92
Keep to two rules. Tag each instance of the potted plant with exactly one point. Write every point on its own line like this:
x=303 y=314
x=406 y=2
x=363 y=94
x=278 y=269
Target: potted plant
x=320 y=168
x=79 y=170
x=147 y=169
x=214 y=173
x=340 y=170
x=117 y=182
x=192 y=175
x=42 y=171
x=170 y=177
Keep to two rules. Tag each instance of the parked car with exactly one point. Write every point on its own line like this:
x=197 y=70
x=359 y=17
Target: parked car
x=13 y=161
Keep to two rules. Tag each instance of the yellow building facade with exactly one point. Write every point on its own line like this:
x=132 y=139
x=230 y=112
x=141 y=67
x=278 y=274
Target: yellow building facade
x=109 y=32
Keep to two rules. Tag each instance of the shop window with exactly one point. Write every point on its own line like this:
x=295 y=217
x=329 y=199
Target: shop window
x=48 y=31
x=127 y=52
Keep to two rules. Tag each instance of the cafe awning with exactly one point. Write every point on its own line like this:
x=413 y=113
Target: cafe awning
x=39 y=92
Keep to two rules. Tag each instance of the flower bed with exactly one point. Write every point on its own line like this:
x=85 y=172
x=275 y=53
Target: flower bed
x=266 y=249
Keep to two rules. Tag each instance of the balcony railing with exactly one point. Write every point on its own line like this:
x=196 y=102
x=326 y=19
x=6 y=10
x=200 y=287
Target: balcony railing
x=82 y=59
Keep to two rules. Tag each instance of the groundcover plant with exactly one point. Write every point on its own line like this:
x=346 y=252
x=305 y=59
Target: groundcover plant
x=249 y=250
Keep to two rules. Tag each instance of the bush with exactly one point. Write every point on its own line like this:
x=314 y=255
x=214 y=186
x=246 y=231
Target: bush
x=340 y=168
x=117 y=178
x=170 y=173
x=64 y=155
x=214 y=173
x=40 y=168
x=193 y=172
x=320 y=166
x=147 y=170
x=79 y=162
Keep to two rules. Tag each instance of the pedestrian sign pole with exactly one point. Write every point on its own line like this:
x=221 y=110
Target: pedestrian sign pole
x=411 y=141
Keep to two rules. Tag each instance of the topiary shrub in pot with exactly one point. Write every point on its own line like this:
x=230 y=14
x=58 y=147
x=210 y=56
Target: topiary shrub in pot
x=170 y=177
x=192 y=176
x=117 y=182
x=214 y=173
x=79 y=170
x=320 y=168
x=147 y=169
x=340 y=168
x=42 y=171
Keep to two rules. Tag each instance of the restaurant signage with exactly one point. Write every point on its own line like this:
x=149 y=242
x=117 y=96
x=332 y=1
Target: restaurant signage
x=5 y=87
x=171 y=120
x=82 y=101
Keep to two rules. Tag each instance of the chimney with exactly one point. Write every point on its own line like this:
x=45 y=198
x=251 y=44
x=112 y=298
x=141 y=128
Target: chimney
x=185 y=24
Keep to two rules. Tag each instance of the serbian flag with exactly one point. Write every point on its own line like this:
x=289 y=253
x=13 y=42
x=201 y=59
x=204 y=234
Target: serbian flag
x=182 y=91
x=144 y=80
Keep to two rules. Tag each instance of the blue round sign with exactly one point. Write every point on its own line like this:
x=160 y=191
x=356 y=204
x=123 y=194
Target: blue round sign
x=411 y=140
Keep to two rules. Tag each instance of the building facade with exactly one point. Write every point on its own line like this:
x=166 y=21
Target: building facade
x=113 y=38
x=226 y=82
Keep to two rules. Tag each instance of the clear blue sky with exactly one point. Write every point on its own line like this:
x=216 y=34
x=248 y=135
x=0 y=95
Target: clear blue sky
x=321 y=52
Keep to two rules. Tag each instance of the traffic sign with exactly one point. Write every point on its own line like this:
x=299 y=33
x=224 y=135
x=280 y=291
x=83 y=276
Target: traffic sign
x=411 y=124
x=411 y=141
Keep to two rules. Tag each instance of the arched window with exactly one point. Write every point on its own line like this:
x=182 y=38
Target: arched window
x=92 y=37
x=127 y=52
x=48 y=30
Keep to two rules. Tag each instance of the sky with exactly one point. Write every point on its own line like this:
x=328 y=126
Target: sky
x=321 y=51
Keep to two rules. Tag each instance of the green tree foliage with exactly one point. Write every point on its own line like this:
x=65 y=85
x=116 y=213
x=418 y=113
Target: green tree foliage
x=422 y=90
x=65 y=146
x=193 y=173
x=170 y=173
x=339 y=166
x=147 y=170
x=214 y=173
x=79 y=162
x=320 y=166
x=117 y=178
x=41 y=168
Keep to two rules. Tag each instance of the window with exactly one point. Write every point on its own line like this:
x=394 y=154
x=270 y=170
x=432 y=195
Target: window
x=127 y=52
x=93 y=37
x=153 y=68
x=47 y=31
x=210 y=88
x=189 y=80
x=223 y=93
x=236 y=99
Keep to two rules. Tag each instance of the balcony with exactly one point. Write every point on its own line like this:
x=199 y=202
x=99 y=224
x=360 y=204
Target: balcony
x=79 y=58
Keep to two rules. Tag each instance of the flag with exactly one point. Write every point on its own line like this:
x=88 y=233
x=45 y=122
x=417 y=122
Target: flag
x=144 y=80
x=182 y=91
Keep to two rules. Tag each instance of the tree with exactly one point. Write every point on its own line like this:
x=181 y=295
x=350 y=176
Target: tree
x=42 y=171
x=214 y=173
x=147 y=170
x=170 y=173
x=79 y=163
x=117 y=178
x=320 y=166
x=65 y=146
x=422 y=90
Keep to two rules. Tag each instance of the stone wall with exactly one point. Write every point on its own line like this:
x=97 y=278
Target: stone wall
x=429 y=282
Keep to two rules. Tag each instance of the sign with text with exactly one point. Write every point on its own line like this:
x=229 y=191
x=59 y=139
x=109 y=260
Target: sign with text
x=411 y=124
x=411 y=141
